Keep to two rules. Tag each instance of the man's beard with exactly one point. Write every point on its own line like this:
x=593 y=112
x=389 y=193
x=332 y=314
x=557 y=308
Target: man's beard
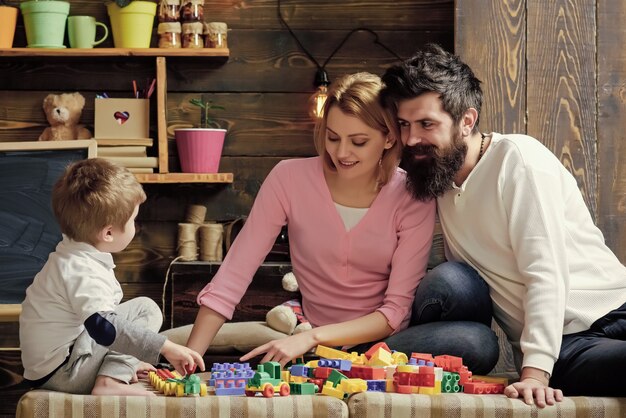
x=432 y=176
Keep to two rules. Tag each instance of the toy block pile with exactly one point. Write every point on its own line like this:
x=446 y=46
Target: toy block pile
x=171 y=383
x=339 y=373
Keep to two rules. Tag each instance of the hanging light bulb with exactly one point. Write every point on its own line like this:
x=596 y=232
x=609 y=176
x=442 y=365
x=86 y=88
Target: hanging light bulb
x=317 y=100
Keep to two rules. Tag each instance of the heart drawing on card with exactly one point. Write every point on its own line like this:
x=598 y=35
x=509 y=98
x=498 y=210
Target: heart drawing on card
x=121 y=117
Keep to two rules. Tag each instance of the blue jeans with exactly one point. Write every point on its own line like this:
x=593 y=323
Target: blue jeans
x=593 y=362
x=451 y=315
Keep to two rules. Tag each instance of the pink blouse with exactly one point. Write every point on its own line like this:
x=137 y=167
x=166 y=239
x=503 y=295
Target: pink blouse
x=342 y=275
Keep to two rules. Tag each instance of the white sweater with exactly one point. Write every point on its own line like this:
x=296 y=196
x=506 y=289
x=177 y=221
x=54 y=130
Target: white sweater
x=520 y=220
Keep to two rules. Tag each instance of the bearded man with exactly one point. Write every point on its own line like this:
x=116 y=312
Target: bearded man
x=513 y=215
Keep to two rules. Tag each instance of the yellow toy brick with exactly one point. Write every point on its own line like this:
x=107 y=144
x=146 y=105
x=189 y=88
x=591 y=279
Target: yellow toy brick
x=407 y=368
x=381 y=357
x=424 y=390
x=312 y=364
x=329 y=390
x=353 y=385
x=491 y=379
x=331 y=353
x=399 y=358
x=389 y=387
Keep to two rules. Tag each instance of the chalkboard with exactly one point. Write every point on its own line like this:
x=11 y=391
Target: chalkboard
x=28 y=229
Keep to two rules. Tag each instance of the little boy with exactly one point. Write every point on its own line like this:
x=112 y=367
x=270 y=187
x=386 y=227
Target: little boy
x=75 y=336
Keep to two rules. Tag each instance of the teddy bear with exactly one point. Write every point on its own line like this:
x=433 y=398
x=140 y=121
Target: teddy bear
x=63 y=113
x=288 y=317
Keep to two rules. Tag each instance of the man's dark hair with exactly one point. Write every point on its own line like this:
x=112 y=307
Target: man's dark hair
x=432 y=69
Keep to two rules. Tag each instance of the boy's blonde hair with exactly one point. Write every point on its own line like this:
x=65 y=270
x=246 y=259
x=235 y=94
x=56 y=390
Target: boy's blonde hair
x=358 y=95
x=93 y=194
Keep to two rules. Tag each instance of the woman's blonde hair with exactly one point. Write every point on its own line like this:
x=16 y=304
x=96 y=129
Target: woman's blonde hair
x=358 y=95
x=93 y=194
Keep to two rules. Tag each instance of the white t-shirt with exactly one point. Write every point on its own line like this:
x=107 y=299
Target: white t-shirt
x=350 y=216
x=76 y=282
x=520 y=220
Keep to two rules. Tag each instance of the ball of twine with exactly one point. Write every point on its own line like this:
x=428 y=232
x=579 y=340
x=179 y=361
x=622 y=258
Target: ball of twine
x=187 y=243
x=211 y=239
x=195 y=214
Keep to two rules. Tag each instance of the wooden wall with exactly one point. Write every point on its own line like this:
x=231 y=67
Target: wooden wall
x=556 y=70
x=264 y=87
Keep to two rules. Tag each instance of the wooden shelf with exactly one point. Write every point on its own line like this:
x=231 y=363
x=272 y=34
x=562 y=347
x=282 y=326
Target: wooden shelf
x=185 y=178
x=115 y=52
x=160 y=55
x=10 y=312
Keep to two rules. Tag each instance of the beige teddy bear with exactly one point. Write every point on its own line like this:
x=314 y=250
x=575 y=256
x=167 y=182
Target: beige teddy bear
x=284 y=318
x=63 y=113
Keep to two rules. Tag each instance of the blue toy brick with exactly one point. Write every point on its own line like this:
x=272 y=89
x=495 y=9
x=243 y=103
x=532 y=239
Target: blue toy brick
x=299 y=370
x=230 y=387
x=345 y=365
x=376 y=385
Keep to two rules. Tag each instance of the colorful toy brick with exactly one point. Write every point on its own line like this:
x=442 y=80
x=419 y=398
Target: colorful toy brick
x=450 y=383
x=171 y=383
x=335 y=364
x=305 y=388
x=483 y=388
x=376 y=385
x=230 y=378
x=373 y=349
x=267 y=381
x=366 y=372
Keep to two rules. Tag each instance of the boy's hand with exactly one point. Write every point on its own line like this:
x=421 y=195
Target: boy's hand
x=182 y=358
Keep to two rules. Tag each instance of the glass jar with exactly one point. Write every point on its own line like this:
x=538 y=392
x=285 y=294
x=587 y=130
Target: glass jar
x=169 y=35
x=169 y=11
x=215 y=35
x=192 y=11
x=192 y=35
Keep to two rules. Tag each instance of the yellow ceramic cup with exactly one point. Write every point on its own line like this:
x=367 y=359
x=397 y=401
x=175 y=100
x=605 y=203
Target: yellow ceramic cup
x=8 y=19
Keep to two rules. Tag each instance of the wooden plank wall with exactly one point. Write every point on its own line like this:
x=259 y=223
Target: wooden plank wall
x=556 y=70
x=264 y=87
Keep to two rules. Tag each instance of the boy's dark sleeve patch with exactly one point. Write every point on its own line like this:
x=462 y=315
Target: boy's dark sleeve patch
x=100 y=329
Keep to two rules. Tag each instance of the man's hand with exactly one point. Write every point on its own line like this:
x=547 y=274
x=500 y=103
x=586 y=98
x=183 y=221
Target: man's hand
x=533 y=387
x=182 y=358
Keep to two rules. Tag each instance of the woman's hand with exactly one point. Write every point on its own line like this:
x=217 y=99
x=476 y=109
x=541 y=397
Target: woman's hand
x=285 y=349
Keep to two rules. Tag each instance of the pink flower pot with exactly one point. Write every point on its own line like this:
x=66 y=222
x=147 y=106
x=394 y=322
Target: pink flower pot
x=199 y=149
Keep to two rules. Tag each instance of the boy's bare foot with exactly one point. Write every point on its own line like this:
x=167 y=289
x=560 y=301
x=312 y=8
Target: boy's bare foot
x=106 y=385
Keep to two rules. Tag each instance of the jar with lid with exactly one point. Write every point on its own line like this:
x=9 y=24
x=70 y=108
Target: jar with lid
x=192 y=35
x=169 y=11
x=169 y=35
x=215 y=35
x=192 y=11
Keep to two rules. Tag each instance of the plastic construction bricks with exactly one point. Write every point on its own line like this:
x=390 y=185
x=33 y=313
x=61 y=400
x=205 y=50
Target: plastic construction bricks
x=267 y=380
x=171 y=383
x=230 y=379
x=338 y=374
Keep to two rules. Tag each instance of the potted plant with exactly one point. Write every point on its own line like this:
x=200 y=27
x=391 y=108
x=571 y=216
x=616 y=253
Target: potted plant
x=131 y=22
x=45 y=22
x=200 y=149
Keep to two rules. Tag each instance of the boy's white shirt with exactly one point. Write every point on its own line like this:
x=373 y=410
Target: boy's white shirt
x=77 y=281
